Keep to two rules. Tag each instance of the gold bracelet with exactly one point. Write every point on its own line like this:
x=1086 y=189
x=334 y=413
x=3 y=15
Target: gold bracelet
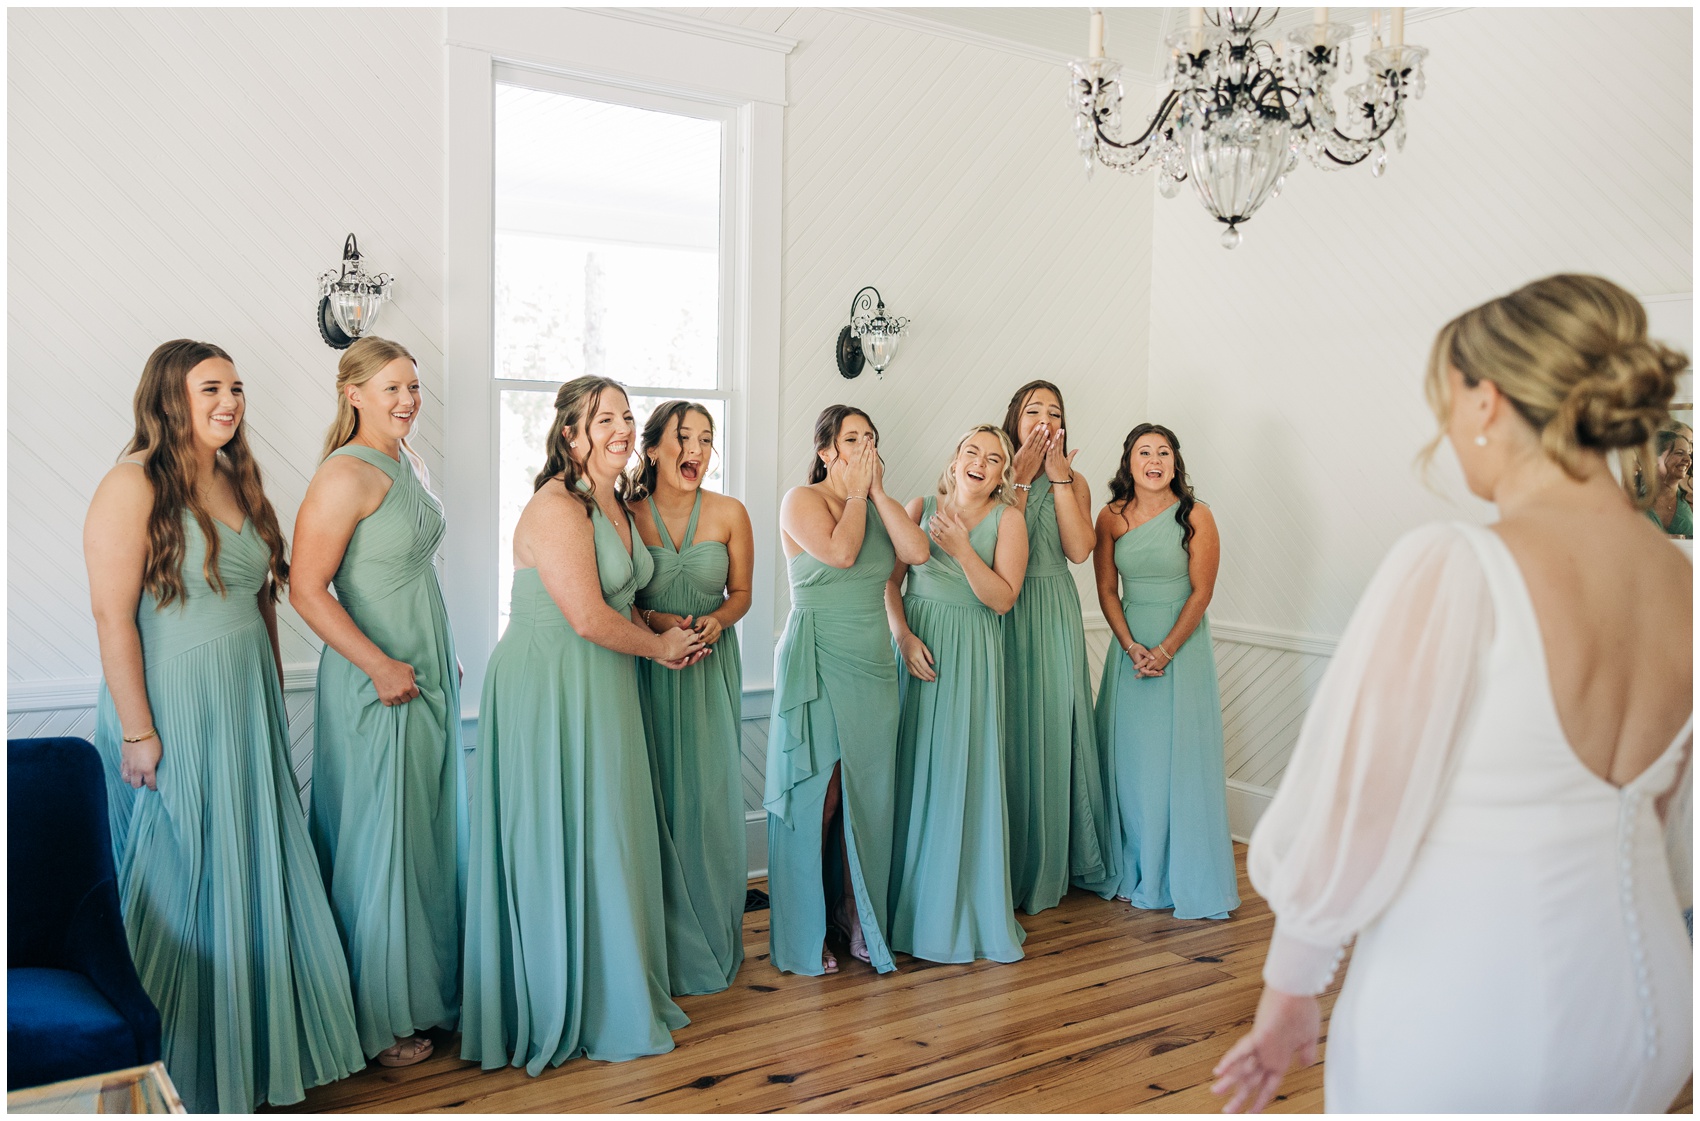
x=147 y=735
x=1166 y=653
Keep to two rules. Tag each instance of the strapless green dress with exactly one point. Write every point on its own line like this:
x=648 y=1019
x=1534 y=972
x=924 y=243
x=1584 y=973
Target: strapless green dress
x=693 y=719
x=1165 y=738
x=1061 y=827
x=227 y=917
x=950 y=889
x=834 y=702
x=566 y=932
x=389 y=795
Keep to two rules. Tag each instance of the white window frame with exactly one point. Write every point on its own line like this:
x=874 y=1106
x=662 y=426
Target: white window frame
x=638 y=58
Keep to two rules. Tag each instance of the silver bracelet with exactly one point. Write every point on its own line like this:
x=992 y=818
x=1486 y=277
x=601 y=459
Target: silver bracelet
x=857 y=498
x=1023 y=486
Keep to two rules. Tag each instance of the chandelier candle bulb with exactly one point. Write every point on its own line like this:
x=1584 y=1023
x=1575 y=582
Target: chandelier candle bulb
x=1320 y=27
x=1095 y=47
x=1195 y=24
x=1398 y=27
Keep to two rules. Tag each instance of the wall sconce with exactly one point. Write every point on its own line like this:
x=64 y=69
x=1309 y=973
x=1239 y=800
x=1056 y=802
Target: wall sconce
x=869 y=337
x=349 y=300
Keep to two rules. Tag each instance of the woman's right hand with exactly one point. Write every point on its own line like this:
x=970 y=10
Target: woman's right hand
x=1141 y=659
x=861 y=469
x=139 y=762
x=917 y=658
x=679 y=644
x=395 y=683
x=1028 y=461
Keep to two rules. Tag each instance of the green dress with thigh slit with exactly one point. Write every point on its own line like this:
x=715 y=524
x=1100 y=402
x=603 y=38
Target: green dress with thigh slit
x=693 y=720
x=566 y=933
x=389 y=795
x=834 y=703
x=950 y=889
x=226 y=914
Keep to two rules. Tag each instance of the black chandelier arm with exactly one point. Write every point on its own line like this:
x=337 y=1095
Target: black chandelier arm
x=866 y=306
x=1163 y=110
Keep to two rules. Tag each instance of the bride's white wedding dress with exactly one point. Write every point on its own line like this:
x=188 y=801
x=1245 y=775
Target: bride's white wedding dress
x=1520 y=947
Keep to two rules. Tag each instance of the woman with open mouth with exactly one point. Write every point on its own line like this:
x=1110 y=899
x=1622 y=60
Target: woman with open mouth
x=703 y=550
x=566 y=933
x=833 y=735
x=1159 y=711
x=951 y=897
x=389 y=798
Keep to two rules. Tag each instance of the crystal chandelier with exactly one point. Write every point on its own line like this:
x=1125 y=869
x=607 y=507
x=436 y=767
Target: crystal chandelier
x=1239 y=110
x=350 y=298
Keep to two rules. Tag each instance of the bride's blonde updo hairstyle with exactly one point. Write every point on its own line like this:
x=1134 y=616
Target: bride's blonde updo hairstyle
x=1572 y=356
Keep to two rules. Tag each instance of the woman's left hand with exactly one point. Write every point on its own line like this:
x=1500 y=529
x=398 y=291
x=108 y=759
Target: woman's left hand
x=710 y=629
x=1152 y=663
x=950 y=532
x=1286 y=1029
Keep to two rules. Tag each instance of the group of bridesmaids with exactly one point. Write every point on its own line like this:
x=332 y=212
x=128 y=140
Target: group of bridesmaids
x=934 y=763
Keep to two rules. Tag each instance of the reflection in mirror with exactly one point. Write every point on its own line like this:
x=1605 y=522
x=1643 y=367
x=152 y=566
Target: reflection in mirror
x=1673 y=499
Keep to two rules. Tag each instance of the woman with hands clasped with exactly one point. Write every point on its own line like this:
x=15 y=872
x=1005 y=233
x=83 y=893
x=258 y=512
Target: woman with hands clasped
x=833 y=737
x=951 y=897
x=389 y=801
x=1060 y=824
x=566 y=939
x=704 y=553
x=1159 y=712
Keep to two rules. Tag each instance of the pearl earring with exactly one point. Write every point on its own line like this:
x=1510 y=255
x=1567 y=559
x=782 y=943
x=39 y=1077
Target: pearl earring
x=1481 y=441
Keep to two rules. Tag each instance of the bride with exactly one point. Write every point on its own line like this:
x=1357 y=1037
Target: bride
x=1480 y=788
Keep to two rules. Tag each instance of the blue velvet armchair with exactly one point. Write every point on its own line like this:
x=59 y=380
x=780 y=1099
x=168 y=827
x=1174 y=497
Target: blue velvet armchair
x=74 y=1005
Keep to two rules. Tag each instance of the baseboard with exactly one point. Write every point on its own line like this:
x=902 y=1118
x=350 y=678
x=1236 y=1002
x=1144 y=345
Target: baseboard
x=755 y=842
x=1246 y=804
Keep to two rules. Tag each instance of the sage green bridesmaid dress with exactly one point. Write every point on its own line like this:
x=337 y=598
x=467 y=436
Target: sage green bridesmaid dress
x=1165 y=737
x=566 y=934
x=389 y=795
x=693 y=720
x=1061 y=825
x=834 y=702
x=226 y=914
x=950 y=888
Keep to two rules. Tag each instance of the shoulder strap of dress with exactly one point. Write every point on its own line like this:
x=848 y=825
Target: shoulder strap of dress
x=1505 y=580
x=661 y=524
x=691 y=526
x=365 y=454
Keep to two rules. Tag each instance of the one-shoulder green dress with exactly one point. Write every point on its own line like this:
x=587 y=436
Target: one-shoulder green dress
x=389 y=794
x=834 y=702
x=1165 y=736
x=566 y=947
x=1061 y=827
x=950 y=889
x=226 y=914
x=693 y=719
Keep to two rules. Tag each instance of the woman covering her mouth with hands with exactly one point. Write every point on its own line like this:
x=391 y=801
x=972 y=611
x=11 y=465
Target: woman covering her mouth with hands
x=566 y=939
x=951 y=897
x=1159 y=712
x=704 y=552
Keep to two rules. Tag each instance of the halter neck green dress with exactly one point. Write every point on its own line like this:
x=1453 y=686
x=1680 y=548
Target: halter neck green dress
x=693 y=719
x=227 y=918
x=566 y=933
x=1061 y=826
x=1165 y=737
x=950 y=889
x=834 y=702
x=389 y=796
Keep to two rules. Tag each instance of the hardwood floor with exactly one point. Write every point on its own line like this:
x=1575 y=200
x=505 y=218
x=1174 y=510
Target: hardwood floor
x=1112 y=1010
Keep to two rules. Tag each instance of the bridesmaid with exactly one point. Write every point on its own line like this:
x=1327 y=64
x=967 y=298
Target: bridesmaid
x=1159 y=714
x=222 y=900
x=950 y=887
x=1061 y=826
x=704 y=552
x=833 y=737
x=389 y=798
x=566 y=950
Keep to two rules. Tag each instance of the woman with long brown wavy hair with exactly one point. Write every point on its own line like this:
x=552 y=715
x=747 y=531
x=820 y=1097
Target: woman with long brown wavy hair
x=226 y=912
x=567 y=943
x=389 y=798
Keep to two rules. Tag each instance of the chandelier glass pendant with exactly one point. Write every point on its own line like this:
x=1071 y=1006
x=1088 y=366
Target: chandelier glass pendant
x=1239 y=110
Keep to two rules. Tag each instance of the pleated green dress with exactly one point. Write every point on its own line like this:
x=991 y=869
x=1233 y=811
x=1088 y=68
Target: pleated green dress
x=834 y=702
x=566 y=947
x=950 y=887
x=1061 y=827
x=227 y=918
x=389 y=794
x=1165 y=739
x=693 y=719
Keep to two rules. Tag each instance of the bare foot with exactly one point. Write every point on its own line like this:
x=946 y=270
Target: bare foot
x=828 y=963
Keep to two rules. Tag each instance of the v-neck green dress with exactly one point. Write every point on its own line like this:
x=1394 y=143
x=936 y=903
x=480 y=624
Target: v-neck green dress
x=566 y=946
x=389 y=795
x=692 y=716
x=226 y=914
x=950 y=887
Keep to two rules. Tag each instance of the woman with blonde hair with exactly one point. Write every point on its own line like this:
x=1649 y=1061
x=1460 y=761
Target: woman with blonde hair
x=389 y=801
x=222 y=900
x=1479 y=791
x=950 y=889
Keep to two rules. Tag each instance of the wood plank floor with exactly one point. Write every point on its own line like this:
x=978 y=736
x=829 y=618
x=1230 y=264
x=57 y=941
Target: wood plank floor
x=1112 y=1010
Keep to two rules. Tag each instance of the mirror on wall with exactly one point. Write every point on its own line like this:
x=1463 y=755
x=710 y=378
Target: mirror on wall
x=1670 y=319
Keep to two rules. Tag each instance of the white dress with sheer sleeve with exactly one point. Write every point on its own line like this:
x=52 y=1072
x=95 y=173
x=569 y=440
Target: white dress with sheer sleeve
x=1520 y=946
